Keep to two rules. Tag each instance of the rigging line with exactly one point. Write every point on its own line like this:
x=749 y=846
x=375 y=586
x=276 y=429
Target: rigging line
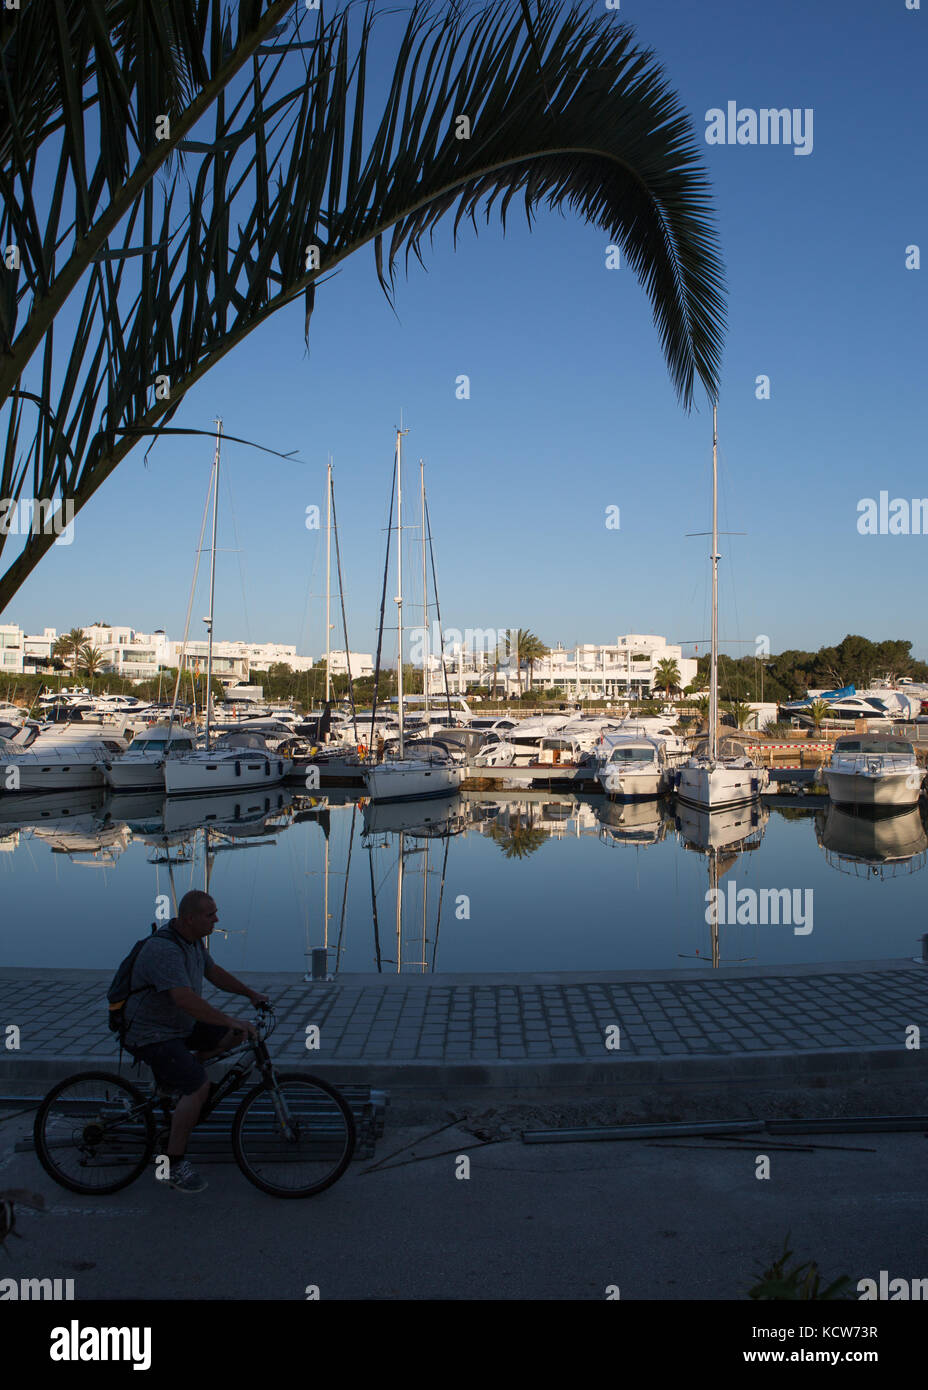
x=444 y=669
x=341 y=924
x=383 y=601
x=441 y=894
x=193 y=587
x=341 y=596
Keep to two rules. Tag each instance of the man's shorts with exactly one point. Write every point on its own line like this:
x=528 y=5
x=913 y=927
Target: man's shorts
x=173 y=1062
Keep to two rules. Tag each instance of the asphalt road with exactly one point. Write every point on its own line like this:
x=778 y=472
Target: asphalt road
x=530 y=1222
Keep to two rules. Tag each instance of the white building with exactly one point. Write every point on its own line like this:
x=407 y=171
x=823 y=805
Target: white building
x=626 y=668
x=359 y=664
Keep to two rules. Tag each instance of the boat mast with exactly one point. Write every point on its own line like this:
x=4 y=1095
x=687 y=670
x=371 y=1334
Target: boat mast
x=212 y=581
x=425 y=598
x=714 y=660
x=399 y=578
x=328 y=581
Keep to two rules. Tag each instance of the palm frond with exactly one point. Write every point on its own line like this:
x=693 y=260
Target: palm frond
x=565 y=113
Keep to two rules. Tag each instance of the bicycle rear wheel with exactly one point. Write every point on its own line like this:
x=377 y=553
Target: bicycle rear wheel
x=295 y=1138
x=94 y=1132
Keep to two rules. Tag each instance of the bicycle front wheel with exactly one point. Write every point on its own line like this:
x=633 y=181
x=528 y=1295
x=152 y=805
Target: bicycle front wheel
x=293 y=1138
x=94 y=1132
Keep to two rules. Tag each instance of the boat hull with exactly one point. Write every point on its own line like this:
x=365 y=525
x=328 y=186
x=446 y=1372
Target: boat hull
x=37 y=776
x=183 y=777
x=880 y=789
x=636 y=786
x=135 y=776
x=714 y=788
x=416 y=782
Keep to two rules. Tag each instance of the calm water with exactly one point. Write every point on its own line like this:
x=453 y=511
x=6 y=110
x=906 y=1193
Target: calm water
x=543 y=882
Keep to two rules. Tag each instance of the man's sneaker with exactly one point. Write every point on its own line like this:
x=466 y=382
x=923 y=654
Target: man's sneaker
x=185 y=1178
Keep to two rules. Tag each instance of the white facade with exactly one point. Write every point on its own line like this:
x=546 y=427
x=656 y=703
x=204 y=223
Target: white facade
x=361 y=664
x=627 y=667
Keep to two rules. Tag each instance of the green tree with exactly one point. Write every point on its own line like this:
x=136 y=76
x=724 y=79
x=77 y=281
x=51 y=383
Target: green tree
x=175 y=248
x=70 y=646
x=92 y=661
x=531 y=649
x=667 y=674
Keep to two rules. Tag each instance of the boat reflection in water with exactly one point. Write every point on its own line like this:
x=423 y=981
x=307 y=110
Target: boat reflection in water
x=722 y=836
x=869 y=844
x=411 y=829
x=68 y=822
x=636 y=823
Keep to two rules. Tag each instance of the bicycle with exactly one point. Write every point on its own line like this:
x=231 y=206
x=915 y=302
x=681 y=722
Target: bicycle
x=96 y=1122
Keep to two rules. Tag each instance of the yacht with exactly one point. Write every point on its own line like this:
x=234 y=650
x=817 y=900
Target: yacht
x=629 y=768
x=141 y=767
x=718 y=775
x=402 y=778
x=236 y=760
x=58 y=758
x=874 y=770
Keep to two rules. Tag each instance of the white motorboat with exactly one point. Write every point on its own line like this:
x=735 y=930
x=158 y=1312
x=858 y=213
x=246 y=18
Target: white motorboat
x=56 y=758
x=141 y=767
x=718 y=777
x=874 y=770
x=629 y=768
x=403 y=778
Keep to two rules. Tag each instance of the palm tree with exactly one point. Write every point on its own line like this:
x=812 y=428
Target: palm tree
x=740 y=711
x=70 y=646
x=667 y=674
x=531 y=649
x=819 y=712
x=511 y=650
x=92 y=661
x=178 y=248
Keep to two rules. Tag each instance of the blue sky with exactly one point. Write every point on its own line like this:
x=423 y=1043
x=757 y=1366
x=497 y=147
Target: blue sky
x=571 y=407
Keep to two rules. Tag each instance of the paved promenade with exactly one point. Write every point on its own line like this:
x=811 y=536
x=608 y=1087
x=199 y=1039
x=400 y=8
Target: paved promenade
x=526 y=1031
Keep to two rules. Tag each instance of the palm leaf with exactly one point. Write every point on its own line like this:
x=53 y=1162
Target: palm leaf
x=567 y=114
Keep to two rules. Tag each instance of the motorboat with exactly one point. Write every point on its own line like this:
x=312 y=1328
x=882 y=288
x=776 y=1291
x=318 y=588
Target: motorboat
x=236 y=760
x=630 y=768
x=141 y=767
x=56 y=758
x=874 y=770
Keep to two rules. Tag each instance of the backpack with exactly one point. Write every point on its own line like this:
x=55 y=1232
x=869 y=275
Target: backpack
x=121 y=991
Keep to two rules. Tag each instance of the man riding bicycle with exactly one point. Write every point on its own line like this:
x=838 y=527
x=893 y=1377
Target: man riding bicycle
x=171 y=1027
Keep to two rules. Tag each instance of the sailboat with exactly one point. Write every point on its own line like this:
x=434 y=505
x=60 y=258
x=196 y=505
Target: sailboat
x=238 y=760
x=402 y=778
x=718 y=778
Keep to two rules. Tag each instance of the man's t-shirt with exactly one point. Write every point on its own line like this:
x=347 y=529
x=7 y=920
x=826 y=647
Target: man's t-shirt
x=165 y=962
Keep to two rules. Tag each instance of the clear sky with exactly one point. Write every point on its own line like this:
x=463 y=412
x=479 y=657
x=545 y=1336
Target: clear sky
x=571 y=407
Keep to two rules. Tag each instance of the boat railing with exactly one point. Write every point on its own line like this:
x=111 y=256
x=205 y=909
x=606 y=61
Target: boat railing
x=873 y=763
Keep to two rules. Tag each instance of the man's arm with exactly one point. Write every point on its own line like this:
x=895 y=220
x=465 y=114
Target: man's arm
x=197 y=1007
x=223 y=980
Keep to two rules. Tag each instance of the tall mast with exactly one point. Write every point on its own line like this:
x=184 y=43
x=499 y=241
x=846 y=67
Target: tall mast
x=714 y=667
x=328 y=581
x=425 y=598
x=399 y=579
x=212 y=582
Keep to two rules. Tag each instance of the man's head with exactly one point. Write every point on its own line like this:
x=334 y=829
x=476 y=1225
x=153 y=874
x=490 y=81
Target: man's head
x=196 y=914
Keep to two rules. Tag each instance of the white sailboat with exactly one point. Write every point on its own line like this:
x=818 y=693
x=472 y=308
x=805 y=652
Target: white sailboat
x=715 y=779
x=238 y=760
x=402 y=778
